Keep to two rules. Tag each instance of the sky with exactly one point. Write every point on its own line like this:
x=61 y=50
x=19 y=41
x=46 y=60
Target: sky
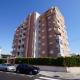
x=14 y=12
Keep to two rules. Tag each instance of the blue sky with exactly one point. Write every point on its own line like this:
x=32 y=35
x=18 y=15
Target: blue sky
x=13 y=12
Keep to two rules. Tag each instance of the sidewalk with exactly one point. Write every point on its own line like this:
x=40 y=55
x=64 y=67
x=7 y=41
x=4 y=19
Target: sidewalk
x=62 y=75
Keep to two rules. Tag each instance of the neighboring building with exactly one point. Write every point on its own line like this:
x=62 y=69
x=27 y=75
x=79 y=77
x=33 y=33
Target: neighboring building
x=4 y=56
x=41 y=36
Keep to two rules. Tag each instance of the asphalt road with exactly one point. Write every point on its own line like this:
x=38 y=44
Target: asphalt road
x=14 y=76
x=43 y=75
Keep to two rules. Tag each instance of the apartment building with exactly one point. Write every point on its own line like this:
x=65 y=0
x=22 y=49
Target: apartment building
x=41 y=35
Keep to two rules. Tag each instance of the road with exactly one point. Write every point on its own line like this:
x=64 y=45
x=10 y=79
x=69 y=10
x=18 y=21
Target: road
x=14 y=76
x=43 y=75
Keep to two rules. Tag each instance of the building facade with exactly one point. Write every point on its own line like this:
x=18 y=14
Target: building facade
x=41 y=35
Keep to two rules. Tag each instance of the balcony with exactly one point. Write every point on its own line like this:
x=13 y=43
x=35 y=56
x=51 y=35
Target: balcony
x=57 y=31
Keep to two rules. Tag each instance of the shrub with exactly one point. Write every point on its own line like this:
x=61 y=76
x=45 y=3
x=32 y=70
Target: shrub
x=67 y=61
x=2 y=61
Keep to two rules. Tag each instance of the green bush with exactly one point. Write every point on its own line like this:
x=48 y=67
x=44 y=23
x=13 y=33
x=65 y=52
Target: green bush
x=41 y=61
x=72 y=61
x=67 y=61
x=2 y=61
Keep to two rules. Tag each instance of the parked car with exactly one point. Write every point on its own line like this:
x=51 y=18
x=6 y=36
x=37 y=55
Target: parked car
x=7 y=67
x=27 y=69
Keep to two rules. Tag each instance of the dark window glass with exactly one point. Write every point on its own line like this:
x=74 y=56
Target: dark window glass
x=22 y=46
x=20 y=35
x=23 y=39
x=20 y=41
x=24 y=28
x=24 y=34
x=57 y=40
x=39 y=21
x=18 y=53
x=19 y=47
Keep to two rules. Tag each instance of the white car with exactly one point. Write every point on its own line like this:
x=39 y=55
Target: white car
x=7 y=67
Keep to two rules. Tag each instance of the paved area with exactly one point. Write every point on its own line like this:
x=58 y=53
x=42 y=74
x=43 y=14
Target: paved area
x=61 y=75
x=43 y=75
x=14 y=76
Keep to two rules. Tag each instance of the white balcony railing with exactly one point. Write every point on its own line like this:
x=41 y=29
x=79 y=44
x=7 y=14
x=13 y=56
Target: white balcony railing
x=57 y=31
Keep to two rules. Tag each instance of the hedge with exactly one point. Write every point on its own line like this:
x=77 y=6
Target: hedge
x=3 y=61
x=73 y=61
x=67 y=61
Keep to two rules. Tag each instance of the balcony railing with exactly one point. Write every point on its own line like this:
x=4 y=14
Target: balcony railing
x=57 y=31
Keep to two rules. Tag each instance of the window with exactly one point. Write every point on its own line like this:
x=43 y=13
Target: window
x=43 y=24
x=43 y=44
x=49 y=22
x=18 y=53
x=57 y=40
x=49 y=17
x=49 y=29
x=24 y=34
x=19 y=47
x=43 y=30
x=39 y=21
x=57 y=37
x=23 y=39
x=22 y=46
x=58 y=21
x=39 y=26
x=50 y=42
x=51 y=51
x=57 y=49
x=54 y=22
x=20 y=35
x=59 y=28
x=57 y=46
x=25 y=28
x=43 y=37
x=43 y=52
x=16 y=35
x=50 y=36
x=19 y=41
